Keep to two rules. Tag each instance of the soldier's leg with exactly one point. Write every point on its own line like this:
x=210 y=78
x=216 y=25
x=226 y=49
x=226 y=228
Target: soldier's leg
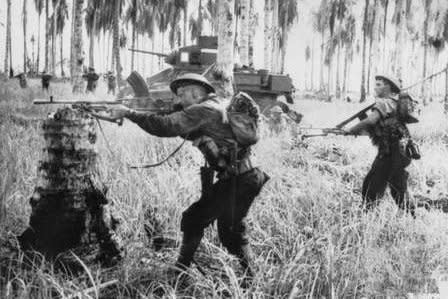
x=375 y=183
x=231 y=226
x=196 y=218
x=398 y=184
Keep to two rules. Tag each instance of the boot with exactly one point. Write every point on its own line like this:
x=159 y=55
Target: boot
x=245 y=257
x=190 y=244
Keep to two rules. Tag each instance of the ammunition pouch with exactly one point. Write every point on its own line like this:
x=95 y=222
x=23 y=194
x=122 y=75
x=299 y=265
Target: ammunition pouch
x=412 y=150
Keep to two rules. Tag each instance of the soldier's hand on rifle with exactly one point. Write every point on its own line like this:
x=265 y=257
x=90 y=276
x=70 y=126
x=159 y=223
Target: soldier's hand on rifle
x=119 y=111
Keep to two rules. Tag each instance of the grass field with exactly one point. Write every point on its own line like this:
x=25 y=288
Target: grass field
x=310 y=238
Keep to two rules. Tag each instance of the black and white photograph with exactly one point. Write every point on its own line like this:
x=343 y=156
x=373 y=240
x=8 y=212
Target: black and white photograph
x=224 y=149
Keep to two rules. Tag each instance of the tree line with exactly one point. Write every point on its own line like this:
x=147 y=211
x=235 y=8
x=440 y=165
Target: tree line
x=397 y=37
x=111 y=21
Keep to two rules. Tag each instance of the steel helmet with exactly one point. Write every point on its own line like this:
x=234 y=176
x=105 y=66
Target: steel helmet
x=394 y=83
x=191 y=78
x=276 y=109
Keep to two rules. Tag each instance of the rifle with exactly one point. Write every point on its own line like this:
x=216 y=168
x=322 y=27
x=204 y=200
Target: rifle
x=338 y=129
x=141 y=93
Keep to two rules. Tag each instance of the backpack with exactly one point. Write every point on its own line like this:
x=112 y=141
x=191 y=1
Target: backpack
x=406 y=109
x=243 y=115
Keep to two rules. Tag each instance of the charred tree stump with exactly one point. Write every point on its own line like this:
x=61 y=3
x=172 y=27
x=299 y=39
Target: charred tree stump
x=69 y=205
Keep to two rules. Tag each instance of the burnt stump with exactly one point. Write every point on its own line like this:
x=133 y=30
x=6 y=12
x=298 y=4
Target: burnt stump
x=69 y=203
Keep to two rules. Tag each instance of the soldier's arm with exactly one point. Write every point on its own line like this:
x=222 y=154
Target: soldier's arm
x=361 y=127
x=180 y=123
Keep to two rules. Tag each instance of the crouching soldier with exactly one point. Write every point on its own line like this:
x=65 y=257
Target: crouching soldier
x=386 y=126
x=220 y=131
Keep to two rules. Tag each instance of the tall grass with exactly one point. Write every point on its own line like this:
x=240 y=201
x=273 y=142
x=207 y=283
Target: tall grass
x=308 y=233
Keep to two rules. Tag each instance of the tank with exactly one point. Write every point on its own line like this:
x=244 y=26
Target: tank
x=262 y=85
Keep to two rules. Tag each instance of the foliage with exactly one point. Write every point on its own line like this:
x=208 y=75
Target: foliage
x=309 y=235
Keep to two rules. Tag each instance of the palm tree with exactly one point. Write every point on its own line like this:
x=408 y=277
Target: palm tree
x=8 y=53
x=425 y=46
x=61 y=17
x=39 y=7
x=253 y=24
x=348 y=38
x=364 y=46
x=131 y=16
x=47 y=34
x=320 y=18
x=226 y=36
x=91 y=20
x=288 y=15
x=244 y=32
x=117 y=9
x=268 y=34
x=77 y=46
x=24 y=16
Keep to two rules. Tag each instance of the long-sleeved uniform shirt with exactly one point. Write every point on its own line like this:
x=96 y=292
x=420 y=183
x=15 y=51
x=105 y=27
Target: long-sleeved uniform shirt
x=199 y=120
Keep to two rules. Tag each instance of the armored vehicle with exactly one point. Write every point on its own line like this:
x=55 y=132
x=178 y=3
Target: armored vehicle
x=263 y=86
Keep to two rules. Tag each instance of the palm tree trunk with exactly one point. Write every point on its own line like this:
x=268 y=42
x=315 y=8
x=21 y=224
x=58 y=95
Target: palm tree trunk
x=386 y=5
x=312 y=64
x=47 y=35
x=116 y=40
x=338 y=63
x=185 y=24
x=322 y=59
x=72 y=42
x=226 y=40
x=38 y=45
x=133 y=45
x=275 y=37
x=200 y=19
x=244 y=32
x=425 y=50
x=285 y=41
x=344 y=79
x=53 y=39
x=371 y=42
x=77 y=46
x=24 y=35
x=61 y=40
x=446 y=91
x=8 y=38
x=268 y=34
x=252 y=30
x=364 y=48
x=399 y=38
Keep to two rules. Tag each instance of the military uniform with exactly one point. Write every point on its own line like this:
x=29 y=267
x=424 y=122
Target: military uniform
x=46 y=81
x=203 y=123
x=92 y=79
x=389 y=167
x=111 y=84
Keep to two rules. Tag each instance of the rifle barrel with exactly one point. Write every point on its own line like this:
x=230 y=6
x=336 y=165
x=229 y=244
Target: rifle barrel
x=149 y=52
x=46 y=102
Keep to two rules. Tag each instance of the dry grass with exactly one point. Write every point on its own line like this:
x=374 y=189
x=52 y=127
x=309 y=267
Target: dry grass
x=309 y=236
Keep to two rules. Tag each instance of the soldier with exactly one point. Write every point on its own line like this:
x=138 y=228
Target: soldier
x=228 y=200
x=22 y=80
x=277 y=120
x=111 y=84
x=92 y=79
x=390 y=134
x=46 y=80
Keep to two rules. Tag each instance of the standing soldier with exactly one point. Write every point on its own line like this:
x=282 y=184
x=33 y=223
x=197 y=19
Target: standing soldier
x=202 y=120
x=386 y=127
x=45 y=80
x=92 y=79
x=22 y=80
x=111 y=83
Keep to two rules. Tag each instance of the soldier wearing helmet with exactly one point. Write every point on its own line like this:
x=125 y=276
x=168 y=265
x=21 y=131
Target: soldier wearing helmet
x=390 y=135
x=202 y=119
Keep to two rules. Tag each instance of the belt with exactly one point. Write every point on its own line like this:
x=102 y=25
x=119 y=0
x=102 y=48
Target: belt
x=242 y=167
